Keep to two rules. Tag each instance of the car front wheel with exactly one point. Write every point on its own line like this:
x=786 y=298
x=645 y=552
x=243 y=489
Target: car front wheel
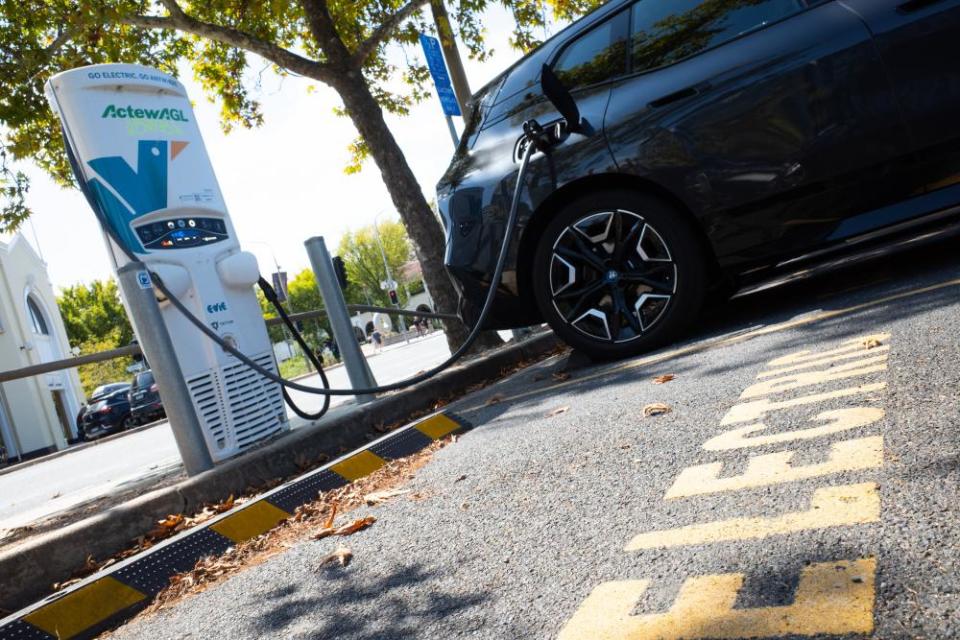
x=617 y=273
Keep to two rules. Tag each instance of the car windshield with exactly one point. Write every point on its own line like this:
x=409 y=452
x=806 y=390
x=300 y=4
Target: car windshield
x=96 y=406
x=144 y=379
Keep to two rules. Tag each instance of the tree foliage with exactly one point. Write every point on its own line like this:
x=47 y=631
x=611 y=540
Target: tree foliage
x=98 y=373
x=94 y=313
x=364 y=262
x=341 y=43
x=96 y=321
x=225 y=43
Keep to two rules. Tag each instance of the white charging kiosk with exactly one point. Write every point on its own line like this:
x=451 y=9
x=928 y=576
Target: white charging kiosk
x=138 y=154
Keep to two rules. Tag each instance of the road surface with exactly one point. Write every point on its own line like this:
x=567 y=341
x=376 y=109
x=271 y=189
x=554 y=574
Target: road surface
x=128 y=464
x=803 y=484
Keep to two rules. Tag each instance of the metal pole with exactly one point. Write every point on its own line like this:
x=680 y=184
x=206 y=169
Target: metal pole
x=448 y=42
x=157 y=347
x=453 y=132
x=357 y=368
x=386 y=267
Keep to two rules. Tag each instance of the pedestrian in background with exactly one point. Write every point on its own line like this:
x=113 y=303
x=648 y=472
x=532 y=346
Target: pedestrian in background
x=377 y=338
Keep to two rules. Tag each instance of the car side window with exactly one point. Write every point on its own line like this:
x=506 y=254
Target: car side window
x=596 y=56
x=667 y=31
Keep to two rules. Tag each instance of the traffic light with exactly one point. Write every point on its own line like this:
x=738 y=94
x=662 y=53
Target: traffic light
x=394 y=299
x=340 y=270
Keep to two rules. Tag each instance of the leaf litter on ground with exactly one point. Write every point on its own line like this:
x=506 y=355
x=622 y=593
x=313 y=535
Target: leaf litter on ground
x=664 y=378
x=558 y=411
x=302 y=526
x=341 y=556
x=656 y=409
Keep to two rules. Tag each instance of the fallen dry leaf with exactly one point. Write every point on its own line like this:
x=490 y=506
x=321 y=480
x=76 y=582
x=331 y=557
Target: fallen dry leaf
x=871 y=343
x=341 y=556
x=495 y=398
x=333 y=514
x=379 y=497
x=560 y=376
x=656 y=409
x=346 y=530
x=664 y=378
x=226 y=505
x=557 y=411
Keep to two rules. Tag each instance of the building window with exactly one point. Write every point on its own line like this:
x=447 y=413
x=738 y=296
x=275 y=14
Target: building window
x=37 y=322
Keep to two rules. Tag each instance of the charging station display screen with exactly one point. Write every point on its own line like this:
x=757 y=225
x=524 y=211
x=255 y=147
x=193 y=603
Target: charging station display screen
x=181 y=233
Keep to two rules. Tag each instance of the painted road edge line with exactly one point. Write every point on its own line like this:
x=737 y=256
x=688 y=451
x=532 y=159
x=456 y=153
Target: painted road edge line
x=117 y=593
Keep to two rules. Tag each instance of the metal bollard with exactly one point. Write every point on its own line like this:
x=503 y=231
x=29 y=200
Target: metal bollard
x=158 y=350
x=353 y=360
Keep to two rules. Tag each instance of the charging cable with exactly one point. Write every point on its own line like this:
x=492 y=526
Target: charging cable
x=538 y=141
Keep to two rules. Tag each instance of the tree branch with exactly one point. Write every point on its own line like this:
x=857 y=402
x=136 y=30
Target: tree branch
x=180 y=21
x=368 y=46
x=323 y=29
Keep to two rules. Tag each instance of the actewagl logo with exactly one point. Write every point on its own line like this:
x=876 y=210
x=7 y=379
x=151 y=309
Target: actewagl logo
x=113 y=111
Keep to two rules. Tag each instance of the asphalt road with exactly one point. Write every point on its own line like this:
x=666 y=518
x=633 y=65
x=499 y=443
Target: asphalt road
x=126 y=465
x=803 y=485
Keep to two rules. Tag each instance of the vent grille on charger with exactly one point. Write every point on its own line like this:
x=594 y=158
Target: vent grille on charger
x=209 y=404
x=252 y=405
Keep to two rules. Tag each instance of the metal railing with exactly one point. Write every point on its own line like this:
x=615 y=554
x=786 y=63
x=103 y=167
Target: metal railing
x=134 y=350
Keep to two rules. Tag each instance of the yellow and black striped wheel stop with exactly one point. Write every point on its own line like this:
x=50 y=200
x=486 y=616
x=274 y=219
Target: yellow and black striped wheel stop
x=110 y=596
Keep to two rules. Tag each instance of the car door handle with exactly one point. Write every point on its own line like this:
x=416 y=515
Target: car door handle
x=676 y=96
x=915 y=5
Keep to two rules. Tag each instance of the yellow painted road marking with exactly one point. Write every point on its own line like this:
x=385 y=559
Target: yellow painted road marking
x=873 y=364
x=720 y=343
x=829 y=507
x=837 y=420
x=757 y=409
x=359 y=465
x=775 y=468
x=854 y=345
x=859 y=353
x=81 y=609
x=250 y=522
x=832 y=598
x=435 y=427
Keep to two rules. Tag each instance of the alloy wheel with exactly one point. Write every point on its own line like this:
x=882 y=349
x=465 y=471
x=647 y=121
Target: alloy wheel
x=612 y=276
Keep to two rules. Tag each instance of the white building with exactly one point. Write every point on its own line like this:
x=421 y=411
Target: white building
x=37 y=414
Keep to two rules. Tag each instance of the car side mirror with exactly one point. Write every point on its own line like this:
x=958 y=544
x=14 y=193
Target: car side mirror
x=558 y=95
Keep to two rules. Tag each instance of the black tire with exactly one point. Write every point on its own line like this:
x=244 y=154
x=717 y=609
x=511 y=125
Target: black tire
x=661 y=279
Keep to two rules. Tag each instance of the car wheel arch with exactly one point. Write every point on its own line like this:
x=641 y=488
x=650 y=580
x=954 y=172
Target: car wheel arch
x=541 y=217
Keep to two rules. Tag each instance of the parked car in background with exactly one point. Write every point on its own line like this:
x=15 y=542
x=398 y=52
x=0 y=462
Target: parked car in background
x=145 y=403
x=720 y=145
x=107 y=411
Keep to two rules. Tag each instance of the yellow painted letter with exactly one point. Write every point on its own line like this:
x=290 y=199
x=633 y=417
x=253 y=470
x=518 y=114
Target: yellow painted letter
x=775 y=468
x=833 y=598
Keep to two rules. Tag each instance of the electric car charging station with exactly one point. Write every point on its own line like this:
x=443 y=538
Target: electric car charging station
x=139 y=157
x=132 y=139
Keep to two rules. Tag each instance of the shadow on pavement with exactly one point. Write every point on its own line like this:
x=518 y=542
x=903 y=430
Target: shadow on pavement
x=405 y=600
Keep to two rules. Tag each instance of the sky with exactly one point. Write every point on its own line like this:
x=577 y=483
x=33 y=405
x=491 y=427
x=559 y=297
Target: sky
x=283 y=182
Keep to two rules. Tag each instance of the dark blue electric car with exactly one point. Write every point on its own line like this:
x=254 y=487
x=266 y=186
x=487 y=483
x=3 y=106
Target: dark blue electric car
x=722 y=143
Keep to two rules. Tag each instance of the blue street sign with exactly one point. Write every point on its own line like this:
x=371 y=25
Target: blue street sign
x=438 y=69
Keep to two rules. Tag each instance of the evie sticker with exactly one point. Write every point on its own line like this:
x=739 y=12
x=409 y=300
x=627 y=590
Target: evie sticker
x=143 y=279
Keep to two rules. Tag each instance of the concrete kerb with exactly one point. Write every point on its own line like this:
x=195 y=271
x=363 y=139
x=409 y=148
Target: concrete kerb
x=32 y=566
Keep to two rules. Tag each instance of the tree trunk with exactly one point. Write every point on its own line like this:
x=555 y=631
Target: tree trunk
x=408 y=198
